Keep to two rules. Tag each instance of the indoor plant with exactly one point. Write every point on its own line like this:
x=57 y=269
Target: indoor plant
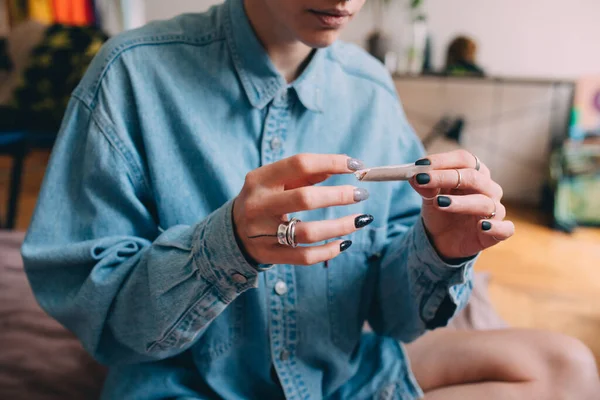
x=413 y=28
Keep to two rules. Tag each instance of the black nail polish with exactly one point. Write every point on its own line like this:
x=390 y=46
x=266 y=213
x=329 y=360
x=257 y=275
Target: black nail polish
x=486 y=225
x=444 y=201
x=362 y=221
x=345 y=245
x=423 y=161
x=423 y=179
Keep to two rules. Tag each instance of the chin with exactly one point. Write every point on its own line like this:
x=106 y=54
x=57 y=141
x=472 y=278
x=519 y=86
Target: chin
x=319 y=39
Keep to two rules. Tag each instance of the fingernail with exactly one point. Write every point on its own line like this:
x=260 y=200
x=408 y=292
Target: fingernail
x=423 y=161
x=345 y=245
x=363 y=220
x=444 y=201
x=360 y=194
x=423 y=179
x=486 y=225
x=355 y=165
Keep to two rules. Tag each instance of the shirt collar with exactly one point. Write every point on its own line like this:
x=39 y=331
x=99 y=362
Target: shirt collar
x=309 y=84
x=260 y=79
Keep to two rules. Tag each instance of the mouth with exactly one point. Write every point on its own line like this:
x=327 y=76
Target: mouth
x=331 y=18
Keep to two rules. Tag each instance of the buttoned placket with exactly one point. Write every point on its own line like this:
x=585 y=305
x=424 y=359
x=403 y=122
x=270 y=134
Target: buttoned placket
x=280 y=280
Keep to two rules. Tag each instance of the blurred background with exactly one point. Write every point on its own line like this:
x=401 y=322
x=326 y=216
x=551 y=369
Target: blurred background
x=515 y=82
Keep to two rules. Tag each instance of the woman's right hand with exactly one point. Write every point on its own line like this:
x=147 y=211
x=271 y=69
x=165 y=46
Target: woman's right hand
x=287 y=186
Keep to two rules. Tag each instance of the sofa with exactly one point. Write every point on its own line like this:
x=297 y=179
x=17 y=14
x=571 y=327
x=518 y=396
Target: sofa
x=41 y=360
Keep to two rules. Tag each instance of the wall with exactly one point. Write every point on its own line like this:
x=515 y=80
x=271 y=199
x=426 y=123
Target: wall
x=3 y=19
x=160 y=9
x=497 y=116
x=549 y=38
x=532 y=38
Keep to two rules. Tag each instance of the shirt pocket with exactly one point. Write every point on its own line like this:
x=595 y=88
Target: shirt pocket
x=351 y=284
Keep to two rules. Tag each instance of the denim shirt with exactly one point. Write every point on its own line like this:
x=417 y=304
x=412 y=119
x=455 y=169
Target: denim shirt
x=132 y=247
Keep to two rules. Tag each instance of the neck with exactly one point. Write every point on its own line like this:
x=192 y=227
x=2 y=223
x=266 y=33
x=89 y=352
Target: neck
x=288 y=54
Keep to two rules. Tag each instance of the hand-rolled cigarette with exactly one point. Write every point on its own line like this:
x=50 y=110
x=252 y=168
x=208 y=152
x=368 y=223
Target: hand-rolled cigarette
x=391 y=173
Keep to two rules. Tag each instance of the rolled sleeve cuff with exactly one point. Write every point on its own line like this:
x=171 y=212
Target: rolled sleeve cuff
x=428 y=255
x=218 y=257
x=449 y=284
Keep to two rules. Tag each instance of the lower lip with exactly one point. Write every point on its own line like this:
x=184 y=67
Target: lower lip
x=331 y=21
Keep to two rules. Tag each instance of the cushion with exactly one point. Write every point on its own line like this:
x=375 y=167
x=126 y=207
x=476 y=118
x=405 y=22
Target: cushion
x=39 y=358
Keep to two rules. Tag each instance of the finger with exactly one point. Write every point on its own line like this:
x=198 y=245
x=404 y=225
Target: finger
x=309 y=255
x=453 y=159
x=460 y=179
x=428 y=195
x=496 y=231
x=473 y=204
x=314 y=232
x=304 y=169
x=485 y=170
x=312 y=198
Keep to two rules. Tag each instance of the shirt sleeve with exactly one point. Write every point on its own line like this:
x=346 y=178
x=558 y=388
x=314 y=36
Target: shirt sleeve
x=99 y=263
x=417 y=290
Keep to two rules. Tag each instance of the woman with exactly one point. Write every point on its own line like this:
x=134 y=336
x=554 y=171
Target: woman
x=156 y=235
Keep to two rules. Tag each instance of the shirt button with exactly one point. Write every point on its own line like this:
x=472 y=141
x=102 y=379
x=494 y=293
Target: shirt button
x=281 y=288
x=239 y=278
x=276 y=143
x=284 y=355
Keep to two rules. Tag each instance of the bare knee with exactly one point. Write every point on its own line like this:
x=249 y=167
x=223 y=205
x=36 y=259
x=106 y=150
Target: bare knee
x=567 y=369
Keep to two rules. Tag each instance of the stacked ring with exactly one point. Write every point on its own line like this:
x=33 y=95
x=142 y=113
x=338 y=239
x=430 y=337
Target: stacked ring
x=459 y=180
x=286 y=233
x=281 y=233
x=493 y=214
x=477 y=163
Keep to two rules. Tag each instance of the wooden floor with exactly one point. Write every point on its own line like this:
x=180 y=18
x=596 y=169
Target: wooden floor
x=547 y=279
x=540 y=278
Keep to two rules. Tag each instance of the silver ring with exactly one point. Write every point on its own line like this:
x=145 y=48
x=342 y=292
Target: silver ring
x=477 y=163
x=459 y=180
x=282 y=233
x=291 y=233
x=493 y=214
x=432 y=198
x=286 y=233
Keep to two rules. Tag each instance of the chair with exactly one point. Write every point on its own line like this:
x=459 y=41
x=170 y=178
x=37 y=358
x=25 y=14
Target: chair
x=17 y=145
x=13 y=144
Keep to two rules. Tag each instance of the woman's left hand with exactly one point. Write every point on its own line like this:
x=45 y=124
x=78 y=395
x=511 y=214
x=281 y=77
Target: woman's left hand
x=462 y=211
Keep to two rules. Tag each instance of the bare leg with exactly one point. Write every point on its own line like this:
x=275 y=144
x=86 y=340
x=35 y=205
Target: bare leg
x=487 y=391
x=507 y=364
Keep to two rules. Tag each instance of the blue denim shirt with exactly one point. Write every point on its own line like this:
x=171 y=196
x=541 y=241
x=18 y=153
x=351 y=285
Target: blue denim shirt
x=132 y=247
